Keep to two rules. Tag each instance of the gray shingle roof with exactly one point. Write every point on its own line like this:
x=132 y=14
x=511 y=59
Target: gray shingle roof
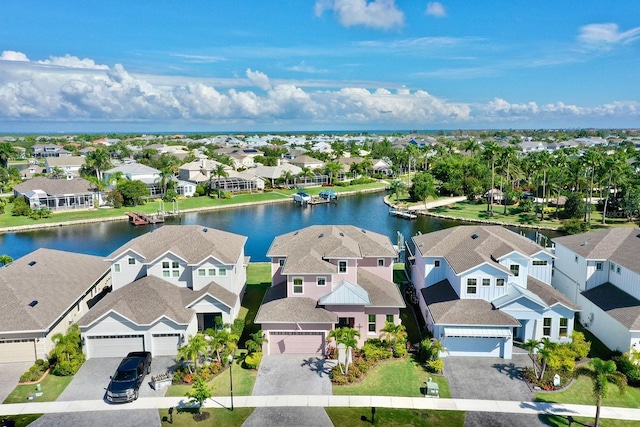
x=307 y=248
x=55 y=186
x=620 y=245
x=56 y=280
x=463 y=252
x=277 y=308
x=447 y=309
x=617 y=304
x=382 y=293
x=190 y=242
x=145 y=301
x=223 y=295
x=550 y=295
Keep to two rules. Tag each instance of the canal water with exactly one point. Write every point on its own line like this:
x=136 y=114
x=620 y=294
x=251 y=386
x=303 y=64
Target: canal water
x=260 y=223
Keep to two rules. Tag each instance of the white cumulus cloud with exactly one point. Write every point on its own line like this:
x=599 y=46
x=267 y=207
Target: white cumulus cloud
x=383 y=14
x=259 y=79
x=436 y=9
x=11 y=55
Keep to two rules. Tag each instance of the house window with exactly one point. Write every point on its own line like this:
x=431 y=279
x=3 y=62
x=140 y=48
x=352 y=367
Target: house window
x=201 y=272
x=539 y=262
x=281 y=262
x=166 y=272
x=599 y=266
x=298 y=287
x=389 y=318
x=564 y=326
x=618 y=269
x=380 y=262
x=346 y=322
x=321 y=281
x=342 y=267
x=116 y=268
x=212 y=272
x=175 y=269
x=499 y=282
x=546 y=323
x=222 y=272
x=372 y=323
x=613 y=266
x=486 y=282
x=170 y=269
x=575 y=258
x=515 y=269
x=472 y=286
x=132 y=261
x=436 y=263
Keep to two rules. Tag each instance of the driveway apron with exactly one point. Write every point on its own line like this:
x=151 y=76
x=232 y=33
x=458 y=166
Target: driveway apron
x=10 y=374
x=291 y=374
x=490 y=378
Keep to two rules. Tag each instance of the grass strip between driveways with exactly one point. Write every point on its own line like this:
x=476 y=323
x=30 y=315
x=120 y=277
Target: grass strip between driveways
x=217 y=417
x=581 y=392
x=52 y=386
x=20 y=420
x=390 y=417
x=395 y=377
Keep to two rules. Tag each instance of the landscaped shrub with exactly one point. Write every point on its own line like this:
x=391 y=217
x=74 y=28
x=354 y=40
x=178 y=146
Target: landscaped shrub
x=238 y=327
x=628 y=368
x=35 y=372
x=252 y=361
x=64 y=368
x=374 y=353
x=400 y=349
x=579 y=345
x=435 y=366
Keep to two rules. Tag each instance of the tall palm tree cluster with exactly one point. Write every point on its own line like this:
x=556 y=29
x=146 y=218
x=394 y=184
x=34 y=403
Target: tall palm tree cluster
x=211 y=345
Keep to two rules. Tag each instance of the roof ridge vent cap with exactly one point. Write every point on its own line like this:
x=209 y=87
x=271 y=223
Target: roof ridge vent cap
x=32 y=263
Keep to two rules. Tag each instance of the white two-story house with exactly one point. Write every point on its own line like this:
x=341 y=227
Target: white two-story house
x=600 y=272
x=168 y=284
x=481 y=287
x=325 y=277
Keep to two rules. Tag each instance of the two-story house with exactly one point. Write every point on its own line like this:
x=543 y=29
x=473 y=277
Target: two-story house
x=481 y=287
x=43 y=293
x=600 y=272
x=323 y=277
x=168 y=284
x=150 y=176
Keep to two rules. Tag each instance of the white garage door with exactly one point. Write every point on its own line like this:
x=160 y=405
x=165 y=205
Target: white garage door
x=165 y=344
x=114 y=345
x=17 y=351
x=469 y=346
x=296 y=342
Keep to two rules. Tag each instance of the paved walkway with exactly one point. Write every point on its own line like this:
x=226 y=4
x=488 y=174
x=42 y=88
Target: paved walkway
x=469 y=405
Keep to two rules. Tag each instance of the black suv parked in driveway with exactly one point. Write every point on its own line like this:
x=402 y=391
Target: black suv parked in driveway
x=125 y=383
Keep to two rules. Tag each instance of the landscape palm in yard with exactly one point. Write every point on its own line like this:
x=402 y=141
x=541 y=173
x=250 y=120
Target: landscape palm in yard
x=394 y=333
x=347 y=337
x=192 y=350
x=530 y=346
x=602 y=373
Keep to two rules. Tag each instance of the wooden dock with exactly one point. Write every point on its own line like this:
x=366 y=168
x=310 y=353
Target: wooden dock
x=139 y=218
x=403 y=214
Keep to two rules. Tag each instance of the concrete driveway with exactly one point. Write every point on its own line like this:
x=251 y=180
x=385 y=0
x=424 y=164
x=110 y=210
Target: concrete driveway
x=10 y=374
x=291 y=374
x=91 y=381
x=494 y=379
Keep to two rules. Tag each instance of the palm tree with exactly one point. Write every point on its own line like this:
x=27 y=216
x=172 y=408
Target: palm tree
x=530 y=346
x=396 y=186
x=394 y=333
x=591 y=159
x=254 y=344
x=5 y=259
x=333 y=169
x=191 y=351
x=165 y=179
x=545 y=353
x=99 y=161
x=7 y=151
x=366 y=166
x=508 y=157
x=347 y=337
x=602 y=373
x=221 y=339
x=287 y=176
x=618 y=170
x=561 y=162
x=490 y=152
x=219 y=171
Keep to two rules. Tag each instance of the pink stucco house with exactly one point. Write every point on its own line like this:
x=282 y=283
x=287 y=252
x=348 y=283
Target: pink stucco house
x=323 y=277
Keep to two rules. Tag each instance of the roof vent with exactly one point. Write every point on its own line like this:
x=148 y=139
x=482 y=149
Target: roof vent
x=32 y=263
x=204 y=230
x=341 y=234
x=474 y=236
x=33 y=303
x=363 y=230
x=585 y=243
x=321 y=235
x=295 y=234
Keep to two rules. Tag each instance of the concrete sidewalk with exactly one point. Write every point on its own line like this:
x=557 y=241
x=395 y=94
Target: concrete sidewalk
x=469 y=405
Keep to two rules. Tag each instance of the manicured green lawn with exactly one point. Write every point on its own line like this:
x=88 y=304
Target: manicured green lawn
x=152 y=206
x=580 y=392
x=243 y=380
x=389 y=417
x=598 y=349
x=395 y=377
x=21 y=420
x=219 y=417
x=413 y=323
x=52 y=386
x=258 y=281
x=560 y=421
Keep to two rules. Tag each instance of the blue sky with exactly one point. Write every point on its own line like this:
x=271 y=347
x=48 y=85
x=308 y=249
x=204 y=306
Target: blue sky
x=296 y=65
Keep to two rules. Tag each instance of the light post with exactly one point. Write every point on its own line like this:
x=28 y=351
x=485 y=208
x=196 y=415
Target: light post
x=231 y=377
